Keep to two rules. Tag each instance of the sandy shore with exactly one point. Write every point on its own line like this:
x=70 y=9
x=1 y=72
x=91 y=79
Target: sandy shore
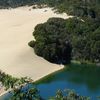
x=16 y=57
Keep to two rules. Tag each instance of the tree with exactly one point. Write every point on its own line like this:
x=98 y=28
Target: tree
x=68 y=95
x=52 y=41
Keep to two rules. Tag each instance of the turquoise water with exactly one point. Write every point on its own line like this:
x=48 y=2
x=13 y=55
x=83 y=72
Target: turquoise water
x=84 y=79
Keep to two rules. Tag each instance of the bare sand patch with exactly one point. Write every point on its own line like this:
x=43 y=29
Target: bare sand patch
x=16 y=57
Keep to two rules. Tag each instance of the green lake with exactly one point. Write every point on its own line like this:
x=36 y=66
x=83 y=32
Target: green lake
x=84 y=79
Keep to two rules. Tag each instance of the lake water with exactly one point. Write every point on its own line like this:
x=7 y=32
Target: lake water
x=84 y=79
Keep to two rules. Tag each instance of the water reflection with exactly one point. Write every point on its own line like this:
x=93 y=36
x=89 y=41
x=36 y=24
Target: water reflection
x=82 y=78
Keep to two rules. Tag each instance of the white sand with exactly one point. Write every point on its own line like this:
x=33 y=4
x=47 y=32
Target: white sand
x=16 y=57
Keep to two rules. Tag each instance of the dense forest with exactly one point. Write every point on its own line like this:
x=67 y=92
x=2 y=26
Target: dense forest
x=60 y=40
x=83 y=8
x=15 y=3
x=84 y=36
x=52 y=41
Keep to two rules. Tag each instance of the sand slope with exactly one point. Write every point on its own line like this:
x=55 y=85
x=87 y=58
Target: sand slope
x=16 y=57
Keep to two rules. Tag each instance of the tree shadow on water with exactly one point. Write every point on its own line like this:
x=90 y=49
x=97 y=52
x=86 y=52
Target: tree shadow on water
x=77 y=74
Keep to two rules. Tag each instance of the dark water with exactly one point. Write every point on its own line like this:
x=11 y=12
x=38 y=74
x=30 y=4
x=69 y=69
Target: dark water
x=84 y=79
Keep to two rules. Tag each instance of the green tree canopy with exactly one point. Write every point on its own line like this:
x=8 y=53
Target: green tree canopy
x=57 y=40
x=52 y=41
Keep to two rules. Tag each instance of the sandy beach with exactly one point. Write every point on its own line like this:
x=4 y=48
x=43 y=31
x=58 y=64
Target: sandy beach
x=16 y=57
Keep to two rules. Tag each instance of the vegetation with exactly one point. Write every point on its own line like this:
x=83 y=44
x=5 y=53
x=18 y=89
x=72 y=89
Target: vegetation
x=84 y=36
x=30 y=92
x=7 y=80
x=26 y=93
x=81 y=8
x=52 y=41
x=58 y=40
x=15 y=3
x=10 y=82
x=69 y=95
x=34 y=94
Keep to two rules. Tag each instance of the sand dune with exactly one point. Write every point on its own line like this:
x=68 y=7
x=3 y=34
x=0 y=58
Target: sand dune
x=16 y=57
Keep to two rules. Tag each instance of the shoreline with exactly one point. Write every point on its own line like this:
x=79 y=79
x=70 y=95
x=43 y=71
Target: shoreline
x=16 y=57
x=85 y=62
x=3 y=92
x=44 y=76
x=60 y=68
